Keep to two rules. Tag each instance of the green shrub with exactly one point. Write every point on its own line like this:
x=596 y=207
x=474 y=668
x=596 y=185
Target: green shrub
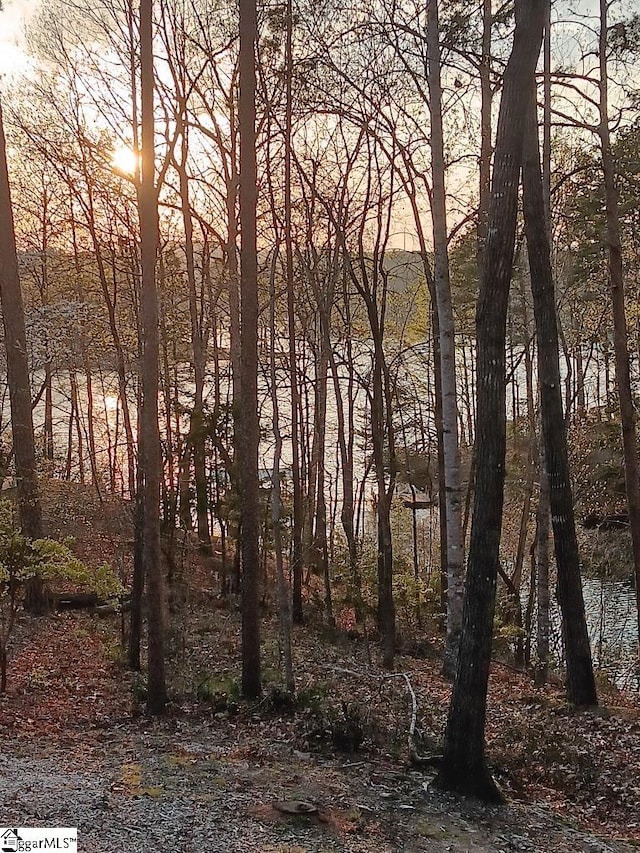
x=222 y=692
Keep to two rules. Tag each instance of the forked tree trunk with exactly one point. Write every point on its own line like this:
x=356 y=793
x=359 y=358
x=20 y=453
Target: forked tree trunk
x=345 y=424
x=464 y=768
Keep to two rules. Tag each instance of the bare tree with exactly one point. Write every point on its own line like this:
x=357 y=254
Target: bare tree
x=442 y=286
x=17 y=365
x=247 y=405
x=150 y=451
x=464 y=766
x=581 y=686
x=616 y=290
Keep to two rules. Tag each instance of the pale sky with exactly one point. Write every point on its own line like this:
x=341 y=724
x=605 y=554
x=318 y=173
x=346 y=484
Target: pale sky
x=13 y=58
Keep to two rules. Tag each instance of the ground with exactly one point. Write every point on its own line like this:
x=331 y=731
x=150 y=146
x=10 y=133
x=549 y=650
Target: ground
x=329 y=772
x=76 y=750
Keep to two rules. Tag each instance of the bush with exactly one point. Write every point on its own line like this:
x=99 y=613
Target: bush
x=23 y=559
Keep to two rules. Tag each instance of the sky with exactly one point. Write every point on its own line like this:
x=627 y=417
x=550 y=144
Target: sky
x=13 y=58
x=16 y=12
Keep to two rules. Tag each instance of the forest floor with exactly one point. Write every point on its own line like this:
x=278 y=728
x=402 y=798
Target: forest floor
x=329 y=773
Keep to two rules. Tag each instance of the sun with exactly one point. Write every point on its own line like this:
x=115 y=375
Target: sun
x=125 y=160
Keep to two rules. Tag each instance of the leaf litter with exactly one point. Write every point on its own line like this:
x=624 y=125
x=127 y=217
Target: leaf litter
x=75 y=750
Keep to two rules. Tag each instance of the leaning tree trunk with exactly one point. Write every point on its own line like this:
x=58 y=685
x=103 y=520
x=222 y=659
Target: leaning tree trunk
x=581 y=686
x=464 y=768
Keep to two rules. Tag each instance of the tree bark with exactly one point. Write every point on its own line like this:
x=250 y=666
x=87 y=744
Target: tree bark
x=17 y=365
x=442 y=284
x=282 y=586
x=151 y=460
x=464 y=767
x=580 y=681
x=298 y=497
x=196 y=437
x=616 y=288
x=248 y=424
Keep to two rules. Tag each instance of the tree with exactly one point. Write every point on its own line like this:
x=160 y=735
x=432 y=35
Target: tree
x=580 y=681
x=442 y=286
x=616 y=290
x=17 y=365
x=247 y=413
x=298 y=503
x=150 y=451
x=464 y=768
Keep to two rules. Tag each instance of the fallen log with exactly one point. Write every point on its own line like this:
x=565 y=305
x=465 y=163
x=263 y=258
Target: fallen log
x=90 y=601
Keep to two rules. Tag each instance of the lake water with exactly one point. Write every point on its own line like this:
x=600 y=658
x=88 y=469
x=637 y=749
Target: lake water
x=611 y=613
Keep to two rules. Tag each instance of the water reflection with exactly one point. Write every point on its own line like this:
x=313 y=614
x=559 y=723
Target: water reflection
x=611 y=613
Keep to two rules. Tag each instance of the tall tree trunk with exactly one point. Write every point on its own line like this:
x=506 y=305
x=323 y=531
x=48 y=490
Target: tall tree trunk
x=320 y=543
x=451 y=455
x=540 y=547
x=298 y=497
x=580 y=681
x=541 y=552
x=86 y=362
x=247 y=449
x=284 y=601
x=486 y=99
x=345 y=444
x=464 y=768
x=17 y=365
x=616 y=288
x=386 y=616
x=196 y=436
x=152 y=460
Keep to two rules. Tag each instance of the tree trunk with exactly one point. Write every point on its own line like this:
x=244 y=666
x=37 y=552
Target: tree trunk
x=198 y=346
x=17 y=364
x=345 y=445
x=152 y=460
x=320 y=544
x=451 y=454
x=580 y=682
x=247 y=449
x=616 y=288
x=464 y=767
x=284 y=601
x=541 y=551
x=298 y=498
x=86 y=363
x=486 y=99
